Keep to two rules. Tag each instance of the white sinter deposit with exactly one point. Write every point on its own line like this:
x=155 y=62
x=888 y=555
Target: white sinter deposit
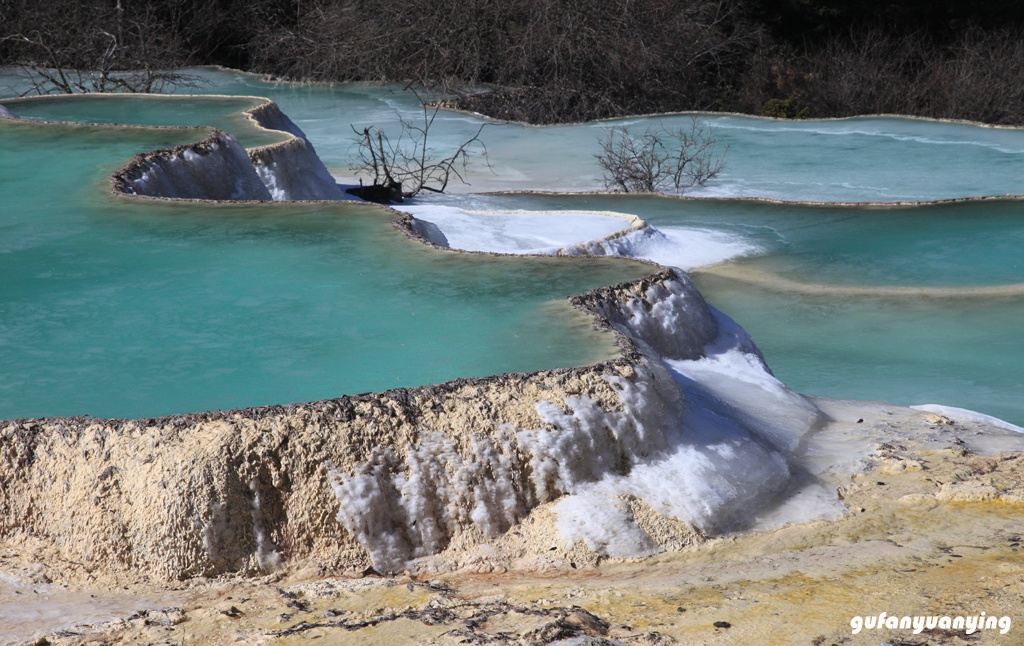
x=215 y=169
x=575 y=233
x=292 y=170
x=219 y=168
x=518 y=232
x=694 y=453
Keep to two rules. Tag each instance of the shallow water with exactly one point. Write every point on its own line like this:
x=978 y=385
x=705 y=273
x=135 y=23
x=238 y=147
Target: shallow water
x=904 y=350
x=818 y=287
x=886 y=304
x=225 y=113
x=124 y=307
x=861 y=159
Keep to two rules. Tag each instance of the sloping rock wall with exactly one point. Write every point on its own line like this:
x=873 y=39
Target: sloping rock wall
x=217 y=168
x=242 y=491
x=254 y=490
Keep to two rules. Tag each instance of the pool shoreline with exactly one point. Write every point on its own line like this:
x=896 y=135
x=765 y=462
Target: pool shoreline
x=249 y=500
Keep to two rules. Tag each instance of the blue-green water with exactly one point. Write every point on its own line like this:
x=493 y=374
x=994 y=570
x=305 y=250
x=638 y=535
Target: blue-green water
x=962 y=244
x=962 y=352
x=226 y=113
x=953 y=348
x=125 y=307
x=849 y=335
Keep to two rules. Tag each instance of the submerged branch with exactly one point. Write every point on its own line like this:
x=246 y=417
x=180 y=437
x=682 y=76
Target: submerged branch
x=407 y=163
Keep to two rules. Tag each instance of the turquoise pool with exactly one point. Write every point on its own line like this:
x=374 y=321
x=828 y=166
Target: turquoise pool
x=116 y=306
x=875 y=302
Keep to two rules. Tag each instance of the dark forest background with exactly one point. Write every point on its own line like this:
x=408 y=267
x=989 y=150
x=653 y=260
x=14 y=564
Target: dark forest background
x=568 y=60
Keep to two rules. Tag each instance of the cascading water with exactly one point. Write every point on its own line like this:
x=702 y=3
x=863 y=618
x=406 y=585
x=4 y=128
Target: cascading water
x=685 y=434
x=701 y=410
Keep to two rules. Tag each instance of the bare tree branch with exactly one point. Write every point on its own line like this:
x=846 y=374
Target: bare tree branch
x=407 y=165
x=660 y=159
x=103 y=51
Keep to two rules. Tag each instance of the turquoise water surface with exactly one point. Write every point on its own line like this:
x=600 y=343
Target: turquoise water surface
x=225 y=113
x=885 y=304
x=866 y=302
x=114 y=306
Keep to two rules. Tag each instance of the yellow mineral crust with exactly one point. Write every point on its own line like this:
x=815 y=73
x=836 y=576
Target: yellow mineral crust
x=904 y=549
x=176 y=498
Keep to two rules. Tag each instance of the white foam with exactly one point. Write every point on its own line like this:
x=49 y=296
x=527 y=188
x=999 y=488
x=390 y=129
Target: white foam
x=970 y=416
x=703 y=469
x=732 y=382
x=732 y=370
x=518 y=232
x=590 y=233
x=731 y=430
x=705 y=436
x=681 y=247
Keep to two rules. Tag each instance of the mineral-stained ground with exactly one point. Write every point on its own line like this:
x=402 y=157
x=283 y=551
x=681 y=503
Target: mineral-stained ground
x=930 y=530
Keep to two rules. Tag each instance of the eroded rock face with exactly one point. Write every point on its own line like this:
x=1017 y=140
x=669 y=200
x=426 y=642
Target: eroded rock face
x=291 y=170
x=664 y=312
x=375 y=479
x=244 y=491
x=381 y=479
x=217 y=168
